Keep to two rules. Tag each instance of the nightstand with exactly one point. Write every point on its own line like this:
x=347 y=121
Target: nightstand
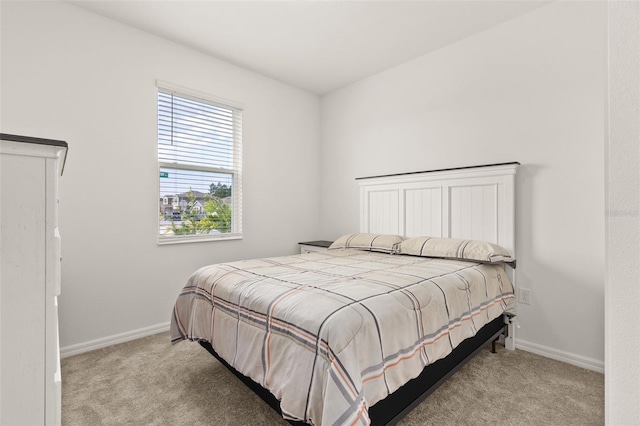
x=313 y=246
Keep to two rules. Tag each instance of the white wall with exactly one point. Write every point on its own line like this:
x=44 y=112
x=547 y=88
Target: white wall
x=72 y=75
x=528 y=90
x=622 y=164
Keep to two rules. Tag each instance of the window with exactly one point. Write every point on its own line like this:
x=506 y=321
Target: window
x=199 y=160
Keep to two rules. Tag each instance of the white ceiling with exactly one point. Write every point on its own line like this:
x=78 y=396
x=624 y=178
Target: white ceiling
x=319 y=46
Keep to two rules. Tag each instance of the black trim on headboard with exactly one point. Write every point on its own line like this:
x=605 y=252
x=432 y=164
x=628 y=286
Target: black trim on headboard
x=441 y=170
x=30 y=139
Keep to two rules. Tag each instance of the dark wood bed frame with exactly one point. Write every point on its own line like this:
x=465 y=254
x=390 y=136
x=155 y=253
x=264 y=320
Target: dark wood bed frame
x=397 y=405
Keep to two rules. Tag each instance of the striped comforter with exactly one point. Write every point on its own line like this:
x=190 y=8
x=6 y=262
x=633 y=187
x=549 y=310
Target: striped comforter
x=332 y=333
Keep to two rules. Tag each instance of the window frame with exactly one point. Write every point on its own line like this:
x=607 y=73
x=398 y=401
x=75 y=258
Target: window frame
x=235 y=171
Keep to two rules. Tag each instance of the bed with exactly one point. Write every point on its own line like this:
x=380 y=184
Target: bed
x=361 y=333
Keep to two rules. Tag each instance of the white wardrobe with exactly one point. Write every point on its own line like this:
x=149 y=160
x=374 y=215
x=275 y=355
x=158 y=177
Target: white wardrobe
x=30 y=390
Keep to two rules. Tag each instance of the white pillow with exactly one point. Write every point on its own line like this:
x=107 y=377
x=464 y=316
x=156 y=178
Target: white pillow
x=453 y=248
x=373 y=242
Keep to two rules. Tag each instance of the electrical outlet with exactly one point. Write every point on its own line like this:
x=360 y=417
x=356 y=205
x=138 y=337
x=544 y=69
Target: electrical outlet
x=524 y=296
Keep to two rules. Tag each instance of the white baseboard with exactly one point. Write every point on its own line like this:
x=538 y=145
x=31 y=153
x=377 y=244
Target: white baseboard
x=112 y=340
x=558 y=355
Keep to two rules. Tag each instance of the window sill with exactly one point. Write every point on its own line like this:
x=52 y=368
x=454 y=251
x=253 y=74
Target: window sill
x=197 y=239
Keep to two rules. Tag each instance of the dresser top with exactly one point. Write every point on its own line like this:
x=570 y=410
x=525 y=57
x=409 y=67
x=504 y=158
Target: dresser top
x=31 y=139
x=39 y=141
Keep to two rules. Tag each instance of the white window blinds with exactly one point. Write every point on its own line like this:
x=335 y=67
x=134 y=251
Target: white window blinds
x=199 y=159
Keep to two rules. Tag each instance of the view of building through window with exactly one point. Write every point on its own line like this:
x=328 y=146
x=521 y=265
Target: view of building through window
x=205 y=206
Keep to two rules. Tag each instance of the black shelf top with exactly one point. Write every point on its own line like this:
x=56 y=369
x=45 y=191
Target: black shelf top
x=31 y=139
x=320 y=243
x=442 y=170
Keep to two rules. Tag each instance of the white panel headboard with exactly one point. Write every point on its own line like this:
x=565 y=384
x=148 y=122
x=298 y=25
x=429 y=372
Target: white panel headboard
x=475 y=202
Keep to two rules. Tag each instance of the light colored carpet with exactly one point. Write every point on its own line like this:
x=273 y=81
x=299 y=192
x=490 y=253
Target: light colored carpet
x=151 y=382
